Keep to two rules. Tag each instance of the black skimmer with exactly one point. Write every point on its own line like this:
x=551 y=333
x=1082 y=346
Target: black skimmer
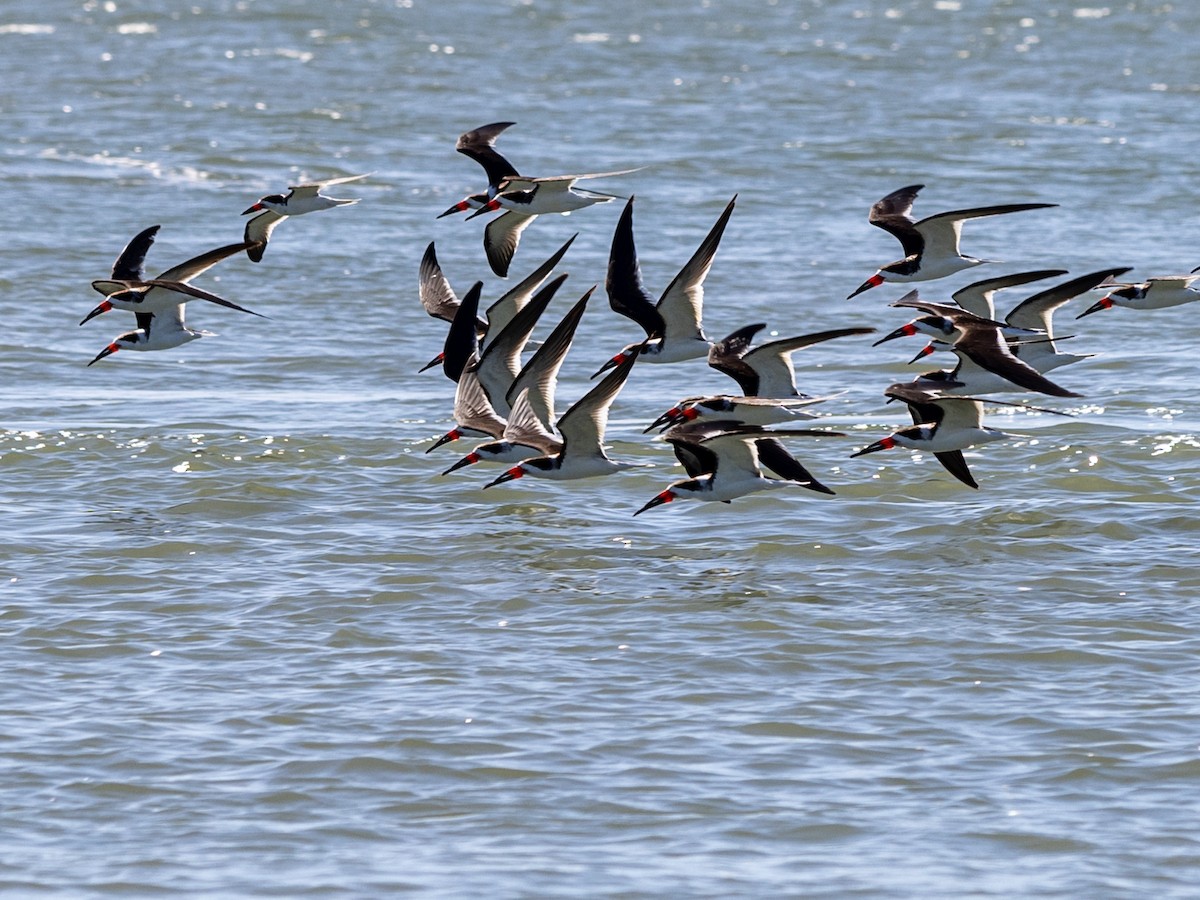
x=480 y=145
x=155 y=331
x=500 y=239
x=437 y=296
x=539 y=376
x=930 y=245
x=525 y=436
x=549 y=194
x=531 y=401
x=1037 y=312
x=582 y=429
x=129 y=289
x=474 y=408
x=767 y=370
x=502 y=234
x=499 y=363
x=473 y=412
x=724 y=460
x=1153 y=293
x=981 y=341
x=947 y=324
x=274 y=208
x=674 y=325
x=942 y=425
x=523 y=200
x=440 y=301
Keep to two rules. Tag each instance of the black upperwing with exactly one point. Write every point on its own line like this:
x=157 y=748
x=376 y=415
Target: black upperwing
x=954 y=463
x=461 y=342
x=626 y=293
x=480 y=145
x=775 y=457
x=726 y=356
x=131 y=264
x=893 y=214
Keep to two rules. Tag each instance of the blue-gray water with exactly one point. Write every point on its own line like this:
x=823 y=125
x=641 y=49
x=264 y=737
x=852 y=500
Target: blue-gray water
x=255 y=645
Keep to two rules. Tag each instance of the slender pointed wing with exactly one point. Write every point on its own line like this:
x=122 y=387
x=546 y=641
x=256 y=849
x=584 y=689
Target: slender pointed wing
x=461 y=344
x=500 y=239
x=977 y=298
x=480 y=145
x=130 y=265
x=954 y=463
x=312 y=188
x=180 y=287
x=539 y=377
x=726 y=356
x=197 y=265
x=525 y=427
x=501 y=358
x=682 y=303
x=258 y=233
x=626 y=294
x=433 y=288
x=472 y=408
x=108 y=286
x=941 y=231
x=1172 y=281
x=500 y=313
x=893 y=214
x=788 y=403
x=774 y=456
x=1038 y=311
x=145 y=321
x=986 y=347
x=582 y=426
x=772 y=362
x=554 y=179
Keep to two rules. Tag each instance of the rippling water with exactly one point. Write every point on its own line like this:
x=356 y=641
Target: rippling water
x=257 y=646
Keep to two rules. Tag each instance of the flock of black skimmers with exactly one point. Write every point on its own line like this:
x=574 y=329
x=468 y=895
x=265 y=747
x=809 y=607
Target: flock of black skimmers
x=725 y=442
x=505 y=383
x=158 y=303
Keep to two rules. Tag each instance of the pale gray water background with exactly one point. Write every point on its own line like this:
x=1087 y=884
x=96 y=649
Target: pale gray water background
x=255 y=645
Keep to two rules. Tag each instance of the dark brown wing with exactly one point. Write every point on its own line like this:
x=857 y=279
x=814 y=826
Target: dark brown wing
x=726 y=356
x=986 y=347
x=480 y=145
x=893 y=215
